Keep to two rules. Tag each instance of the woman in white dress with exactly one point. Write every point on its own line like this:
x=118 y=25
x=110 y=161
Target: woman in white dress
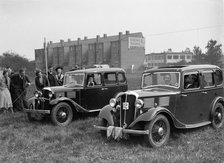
x=5 y=97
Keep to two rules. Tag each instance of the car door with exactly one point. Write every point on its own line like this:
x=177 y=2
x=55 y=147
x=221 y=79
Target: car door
x=114 y=82
x=188 y=107
x=91 y=96
x=208 y=94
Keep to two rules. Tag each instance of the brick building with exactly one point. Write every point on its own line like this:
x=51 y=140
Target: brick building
x=122 y=50
x=168 y=57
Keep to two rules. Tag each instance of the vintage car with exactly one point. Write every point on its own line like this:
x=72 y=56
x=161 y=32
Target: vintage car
x=85 y=90
x=178 y=96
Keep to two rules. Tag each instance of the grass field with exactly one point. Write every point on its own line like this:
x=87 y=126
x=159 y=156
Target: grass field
x=23 y=141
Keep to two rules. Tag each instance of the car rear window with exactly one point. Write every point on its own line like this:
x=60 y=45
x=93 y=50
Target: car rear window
x=121 y=78
x=207 y=79
x=218 y=77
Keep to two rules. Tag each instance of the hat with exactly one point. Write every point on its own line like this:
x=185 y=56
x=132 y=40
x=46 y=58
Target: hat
x=37 y=71
x=59 y=67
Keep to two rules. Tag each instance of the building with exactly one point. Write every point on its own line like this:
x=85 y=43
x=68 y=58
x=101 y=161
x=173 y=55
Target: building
x=122 y=50
x=167 y=58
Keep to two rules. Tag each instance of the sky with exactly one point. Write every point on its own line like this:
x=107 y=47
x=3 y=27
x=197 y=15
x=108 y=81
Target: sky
x=175 y=24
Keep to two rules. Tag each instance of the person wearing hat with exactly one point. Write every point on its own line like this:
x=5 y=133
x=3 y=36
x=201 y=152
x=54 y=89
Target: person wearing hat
x=19 y=83
x=51 y=77
x=41 y=80
x=59 y=76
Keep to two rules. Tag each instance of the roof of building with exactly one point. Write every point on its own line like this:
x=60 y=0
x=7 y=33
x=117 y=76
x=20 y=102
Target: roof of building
x=99 y=39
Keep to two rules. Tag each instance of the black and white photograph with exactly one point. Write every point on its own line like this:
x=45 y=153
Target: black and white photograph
x=111 y=81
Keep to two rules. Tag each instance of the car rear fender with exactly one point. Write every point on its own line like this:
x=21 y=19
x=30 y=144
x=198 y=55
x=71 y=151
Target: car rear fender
x=151 y=113
x=214 y=102
x=72 y=103
x=106 y=114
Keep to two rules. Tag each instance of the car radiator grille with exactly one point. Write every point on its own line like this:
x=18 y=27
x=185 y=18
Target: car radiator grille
x=127 y=111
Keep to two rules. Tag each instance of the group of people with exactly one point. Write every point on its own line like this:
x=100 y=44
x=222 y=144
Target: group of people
x=13 y=87
x=51 y=79
x=13 y=90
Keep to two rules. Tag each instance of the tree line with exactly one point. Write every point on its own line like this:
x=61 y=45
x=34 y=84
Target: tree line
x=213 y=55
x=16 y=62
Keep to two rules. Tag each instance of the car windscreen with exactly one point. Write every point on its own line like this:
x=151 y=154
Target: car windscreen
x=74 y=79
x=169 y=79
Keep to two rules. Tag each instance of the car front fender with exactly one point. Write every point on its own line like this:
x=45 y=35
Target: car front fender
x=150 y=114
x=105 y=113
x=65 y=99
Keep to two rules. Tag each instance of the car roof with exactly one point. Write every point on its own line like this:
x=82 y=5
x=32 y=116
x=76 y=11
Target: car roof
x=183 y=67
x=92 y=70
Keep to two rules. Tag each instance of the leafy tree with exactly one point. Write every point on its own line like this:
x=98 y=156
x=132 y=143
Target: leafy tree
x=214 y=53
x=198 y=56
x=16 y=62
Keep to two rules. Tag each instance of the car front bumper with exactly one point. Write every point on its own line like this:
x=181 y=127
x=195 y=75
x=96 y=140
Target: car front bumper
x=126 y=131
x=38 y=105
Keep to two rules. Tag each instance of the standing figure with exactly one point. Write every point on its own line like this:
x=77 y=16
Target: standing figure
x=51 y=77
x=19 y=83
x=41 y=80
x=59 y=76
x=5 y=97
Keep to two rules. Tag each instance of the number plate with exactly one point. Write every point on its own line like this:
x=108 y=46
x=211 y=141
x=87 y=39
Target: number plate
x=125 y=105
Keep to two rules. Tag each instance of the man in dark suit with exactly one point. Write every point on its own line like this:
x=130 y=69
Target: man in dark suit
x=41 y=80
x=51 y=77
x=19 y=83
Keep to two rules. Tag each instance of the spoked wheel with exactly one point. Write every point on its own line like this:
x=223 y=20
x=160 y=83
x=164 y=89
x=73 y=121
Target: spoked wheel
x=159 y=131
x=217 y=117
x=62 y=114
x=34 y=116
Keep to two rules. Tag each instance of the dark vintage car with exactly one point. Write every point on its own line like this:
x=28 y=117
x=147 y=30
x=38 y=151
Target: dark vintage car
x=86 y=90
x=179 y=96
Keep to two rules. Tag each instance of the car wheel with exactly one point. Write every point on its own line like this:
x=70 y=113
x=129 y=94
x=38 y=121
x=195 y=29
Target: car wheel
x=104 y=123
x=159 y=131
x=62 y=114
x=217 y=116
x=34 y=116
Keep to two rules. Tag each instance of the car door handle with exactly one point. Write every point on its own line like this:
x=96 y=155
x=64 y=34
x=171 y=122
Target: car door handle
x=104 y=89
x=205 y=93
x=184 y=95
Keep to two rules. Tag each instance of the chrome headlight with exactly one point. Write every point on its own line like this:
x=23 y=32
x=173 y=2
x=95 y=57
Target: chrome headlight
x=37 y=94
x=112 y=102
x=50 y=94
x=139 y=103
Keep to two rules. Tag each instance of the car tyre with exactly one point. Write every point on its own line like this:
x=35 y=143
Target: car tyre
x=218 y=116
x=62 y=114
x=159 y=131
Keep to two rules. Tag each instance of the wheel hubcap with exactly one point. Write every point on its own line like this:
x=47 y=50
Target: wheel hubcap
x=219 y=115
x=160 y=131
x=62 y=114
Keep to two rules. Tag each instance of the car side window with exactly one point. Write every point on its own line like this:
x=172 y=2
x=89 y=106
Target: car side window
x=207 y=79
x=121 y=77
x=110 y=78
x=191 y=80
x=93 y=80
x=218 y=77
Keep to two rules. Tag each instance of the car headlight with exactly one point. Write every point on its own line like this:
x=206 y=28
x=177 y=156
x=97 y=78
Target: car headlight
x=112 y=102
x=139 y=103
x=50 y=94
x=37 y=94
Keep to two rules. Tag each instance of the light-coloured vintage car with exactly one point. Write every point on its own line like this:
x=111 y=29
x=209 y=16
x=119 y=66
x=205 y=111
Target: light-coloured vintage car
x=178 y=96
